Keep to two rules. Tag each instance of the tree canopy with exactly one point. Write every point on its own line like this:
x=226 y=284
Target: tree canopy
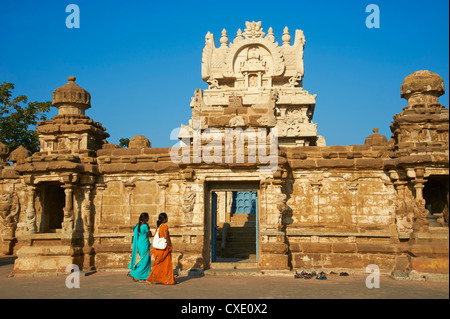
x=123 y=142
x=18 y=119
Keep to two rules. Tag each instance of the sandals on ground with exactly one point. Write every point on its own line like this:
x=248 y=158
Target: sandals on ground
x=321 y=276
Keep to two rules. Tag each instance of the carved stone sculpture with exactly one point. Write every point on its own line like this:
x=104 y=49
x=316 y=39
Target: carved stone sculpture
x=86 y=213
x=282 y=208
x=9 y=214
x=404 y=215
x=410 y=214
x=420 y=217
x=188 y=206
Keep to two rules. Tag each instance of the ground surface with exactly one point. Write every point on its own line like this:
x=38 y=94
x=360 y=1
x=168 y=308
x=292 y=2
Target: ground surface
x=112 y=285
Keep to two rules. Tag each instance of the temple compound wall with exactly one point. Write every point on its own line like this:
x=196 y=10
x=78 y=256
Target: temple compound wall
x=251 y=183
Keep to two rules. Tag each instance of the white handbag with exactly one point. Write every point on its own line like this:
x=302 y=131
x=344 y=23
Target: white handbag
x=159 y=243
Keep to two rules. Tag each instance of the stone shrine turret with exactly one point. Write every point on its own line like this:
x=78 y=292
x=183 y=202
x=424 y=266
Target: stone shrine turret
x=422 y=126
x=256 y=83
x=71 y=131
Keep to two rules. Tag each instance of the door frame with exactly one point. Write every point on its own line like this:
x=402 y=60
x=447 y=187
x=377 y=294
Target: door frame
x=232 y=185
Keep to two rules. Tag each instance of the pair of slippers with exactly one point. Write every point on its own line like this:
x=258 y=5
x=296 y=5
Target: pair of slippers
x=321 y=276
x=303 y=274
x=307 y=275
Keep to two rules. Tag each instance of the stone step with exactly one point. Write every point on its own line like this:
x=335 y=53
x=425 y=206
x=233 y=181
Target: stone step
x=251 y=247
x=233 y=265
x=247 y=272
x=239 y=233
x=238 y=242
x=244 y=216
x=242 y=223
x=238 y=253
x=242 y=238
x=240 y=229
x=246 y=255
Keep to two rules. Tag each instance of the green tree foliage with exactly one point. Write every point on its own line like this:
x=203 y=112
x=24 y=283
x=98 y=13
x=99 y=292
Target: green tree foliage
x=123 y=142
x=18 y=119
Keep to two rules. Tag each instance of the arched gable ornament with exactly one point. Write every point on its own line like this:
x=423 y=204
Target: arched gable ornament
x=237 y=46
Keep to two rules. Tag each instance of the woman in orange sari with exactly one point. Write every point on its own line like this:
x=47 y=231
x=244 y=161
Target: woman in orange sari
x=162 y=270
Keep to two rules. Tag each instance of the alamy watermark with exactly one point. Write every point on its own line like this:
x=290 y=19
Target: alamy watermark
x=373 y=19
x=73 y=19
x=212 y=145
x=73 y=279
x=373 y=279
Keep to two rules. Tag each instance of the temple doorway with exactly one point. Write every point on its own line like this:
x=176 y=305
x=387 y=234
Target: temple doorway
x=53 y=201
x=436 y=195
x=233 y=223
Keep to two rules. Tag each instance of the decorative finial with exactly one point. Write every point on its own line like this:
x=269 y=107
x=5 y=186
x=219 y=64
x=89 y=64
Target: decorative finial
x=71 y=79
x=286 y=37
x=253 y=30
x=270 y=35
x=375 y=130
x=224 y=39
x=239 y=36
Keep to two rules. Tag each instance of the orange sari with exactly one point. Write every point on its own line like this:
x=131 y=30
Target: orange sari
x=162 y=270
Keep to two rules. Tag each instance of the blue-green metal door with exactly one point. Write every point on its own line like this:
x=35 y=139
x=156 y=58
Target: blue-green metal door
x=244 y=202
x=213 y=225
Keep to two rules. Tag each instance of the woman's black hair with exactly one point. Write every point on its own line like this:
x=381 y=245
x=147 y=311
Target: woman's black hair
x=142 y=218
x=161 y=217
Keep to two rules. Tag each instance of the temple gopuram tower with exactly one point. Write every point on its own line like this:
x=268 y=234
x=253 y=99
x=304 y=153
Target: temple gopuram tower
x=256 y=83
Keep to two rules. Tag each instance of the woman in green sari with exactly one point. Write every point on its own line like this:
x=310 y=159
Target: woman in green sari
x=141 y=245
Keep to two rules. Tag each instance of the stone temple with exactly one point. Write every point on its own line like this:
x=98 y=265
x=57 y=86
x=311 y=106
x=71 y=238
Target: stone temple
x=251 y=183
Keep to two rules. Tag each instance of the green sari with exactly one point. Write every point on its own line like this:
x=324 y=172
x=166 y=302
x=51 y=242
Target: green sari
x=141 y=246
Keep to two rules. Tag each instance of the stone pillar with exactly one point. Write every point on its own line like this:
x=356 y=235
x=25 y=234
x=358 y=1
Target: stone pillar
x=229 y=206
x=422 y=213
x=316 y=186
x=86 y=210
x=88 y=226
x=68 y=221
x=419 y=183
x=163 y=188
x=353 y=188
x=130 y=187
x=273 y=247
x=31 y=211
x=100 y=189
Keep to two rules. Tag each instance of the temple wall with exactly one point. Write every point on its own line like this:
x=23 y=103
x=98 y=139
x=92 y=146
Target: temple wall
x=121 y=199
x=341 y=219
x=348 y=201
x=335 y=213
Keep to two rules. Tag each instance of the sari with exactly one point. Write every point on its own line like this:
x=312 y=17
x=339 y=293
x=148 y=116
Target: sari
x=162 y=270
x=141 y=246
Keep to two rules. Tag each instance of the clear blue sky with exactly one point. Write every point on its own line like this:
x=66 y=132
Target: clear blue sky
x=141 y=60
